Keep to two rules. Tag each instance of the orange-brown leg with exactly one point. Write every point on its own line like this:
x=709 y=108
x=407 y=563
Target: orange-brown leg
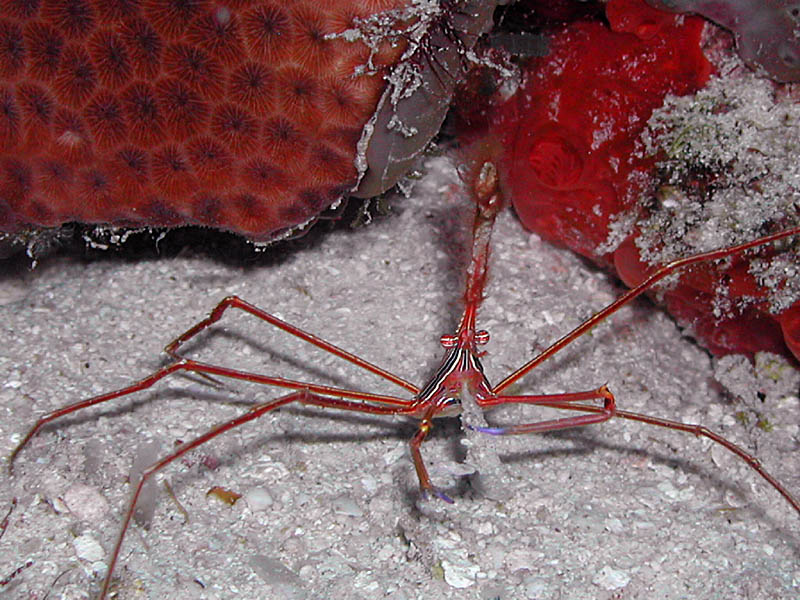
x=302 y=396
x=205 y=369
x=599 y=414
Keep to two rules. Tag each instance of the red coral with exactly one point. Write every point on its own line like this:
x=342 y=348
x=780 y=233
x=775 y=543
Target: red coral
x=163 y=112
x=790 y=325
x=749 y=327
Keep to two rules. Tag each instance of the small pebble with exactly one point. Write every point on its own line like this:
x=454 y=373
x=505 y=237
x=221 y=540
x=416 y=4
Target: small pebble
x=283 y=581
x=85 y=502
x=459 y=573
x=258 y=499
x=88 y=548
x=344 y=505
x=610 y=578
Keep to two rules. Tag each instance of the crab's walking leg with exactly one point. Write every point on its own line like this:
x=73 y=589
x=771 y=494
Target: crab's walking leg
x=236 y=302
x=192 y=366
x=304 y=396
x=183 y=364
x=700 y=431
x=606 y=412
x=424 y=428
x=628 y=296
x=597 y=414
x=4 y=523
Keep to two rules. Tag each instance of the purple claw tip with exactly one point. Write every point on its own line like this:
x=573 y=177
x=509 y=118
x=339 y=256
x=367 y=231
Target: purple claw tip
x=443 y=496
x=439 y=494
x=491 y=430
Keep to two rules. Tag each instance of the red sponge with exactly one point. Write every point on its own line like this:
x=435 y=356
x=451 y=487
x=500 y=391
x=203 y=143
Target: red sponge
x=576 y=160
x=574 y=128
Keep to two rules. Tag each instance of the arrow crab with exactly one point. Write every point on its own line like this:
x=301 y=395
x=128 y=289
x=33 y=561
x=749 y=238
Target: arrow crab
x=327 y=510
x=300 y=499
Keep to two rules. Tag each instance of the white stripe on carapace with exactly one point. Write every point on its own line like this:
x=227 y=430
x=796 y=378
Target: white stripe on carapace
x=458 y=368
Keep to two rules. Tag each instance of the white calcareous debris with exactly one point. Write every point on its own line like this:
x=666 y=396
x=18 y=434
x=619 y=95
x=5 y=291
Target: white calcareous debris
x=85 y=502
x=258 y=499
x=345 y=505
x=88 y=548
x=280 y=580
x=742 y=140
x=459 y=572
x=610 y=578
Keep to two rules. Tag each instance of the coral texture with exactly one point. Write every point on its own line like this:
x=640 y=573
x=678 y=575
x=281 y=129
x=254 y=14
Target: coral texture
x=580 y=174
x=243 y=116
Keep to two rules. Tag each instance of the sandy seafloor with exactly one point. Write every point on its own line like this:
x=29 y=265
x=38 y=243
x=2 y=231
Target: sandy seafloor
x=619 y=510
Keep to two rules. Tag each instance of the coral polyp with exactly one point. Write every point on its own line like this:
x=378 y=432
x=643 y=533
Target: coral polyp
x=151 y=113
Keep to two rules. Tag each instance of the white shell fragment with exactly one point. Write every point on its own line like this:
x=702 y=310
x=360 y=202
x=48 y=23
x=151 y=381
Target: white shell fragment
x=85 y=502
x=88 y=548
x=344 y=505
x=459 y=572
x=258 y=499
x=282 y=581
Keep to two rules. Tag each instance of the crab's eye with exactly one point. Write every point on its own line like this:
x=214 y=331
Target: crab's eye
x=448 y=341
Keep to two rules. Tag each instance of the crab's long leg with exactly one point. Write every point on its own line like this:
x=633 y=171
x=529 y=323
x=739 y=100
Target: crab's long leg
x=628 y=296
x=192 y=366
x=601 y=414
x=304 y=396
x=700 y=431
x=424 y=428
x=605 y=412
x=236 y=302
